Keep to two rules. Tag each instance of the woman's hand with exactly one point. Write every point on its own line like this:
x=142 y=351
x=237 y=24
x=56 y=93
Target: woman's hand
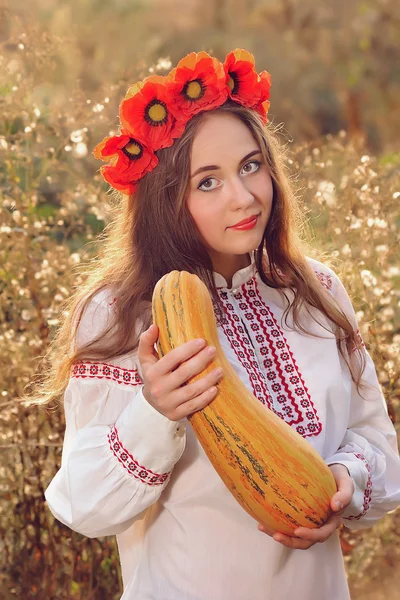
x=165 y=379
x=303 y=537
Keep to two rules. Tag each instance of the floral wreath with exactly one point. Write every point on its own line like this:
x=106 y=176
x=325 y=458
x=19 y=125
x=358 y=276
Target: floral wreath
x=155 y=111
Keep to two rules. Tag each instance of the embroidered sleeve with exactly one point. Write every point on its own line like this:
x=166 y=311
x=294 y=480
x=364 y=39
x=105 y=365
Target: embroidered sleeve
x=130 y=464
x=118 y=450
x=367 y=490
x=369 y=449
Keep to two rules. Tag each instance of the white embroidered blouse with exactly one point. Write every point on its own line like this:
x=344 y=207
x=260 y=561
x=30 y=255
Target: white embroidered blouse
x=129 y=471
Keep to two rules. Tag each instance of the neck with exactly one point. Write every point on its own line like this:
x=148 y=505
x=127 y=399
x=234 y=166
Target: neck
x=228 y=265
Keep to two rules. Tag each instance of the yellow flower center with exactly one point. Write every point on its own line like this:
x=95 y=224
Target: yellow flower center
x=231 y=83
x=193 y=90
x=133 y=148
x=157 y=112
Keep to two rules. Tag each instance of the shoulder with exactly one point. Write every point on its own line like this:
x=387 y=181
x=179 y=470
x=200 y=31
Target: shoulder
x=332 y=282
x=94 y=315
x=98 y=319
x=325 y=275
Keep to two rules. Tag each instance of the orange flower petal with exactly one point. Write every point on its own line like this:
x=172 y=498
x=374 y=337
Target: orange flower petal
x=262 y=109
x=98 y=150
x=265 y=81
x=133 y=165
x=111 y=176
x=109 y=147
x=242 y=55
x=146 y=114
x=197 y=83
x=134 y=89
x=130 y=160
x=243 y=80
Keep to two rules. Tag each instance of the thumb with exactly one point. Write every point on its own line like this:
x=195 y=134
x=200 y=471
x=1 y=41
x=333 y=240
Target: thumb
x=152 y=331
x=344 y=493
x=146 y=350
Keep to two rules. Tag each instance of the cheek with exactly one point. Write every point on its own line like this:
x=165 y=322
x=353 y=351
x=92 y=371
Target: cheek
x=205 y=213
x=265 y=190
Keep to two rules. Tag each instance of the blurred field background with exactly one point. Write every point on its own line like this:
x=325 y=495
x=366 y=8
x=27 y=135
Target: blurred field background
x=64 y=67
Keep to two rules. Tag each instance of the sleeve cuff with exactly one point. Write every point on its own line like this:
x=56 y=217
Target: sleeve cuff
x=360 y=472
x=147 y=442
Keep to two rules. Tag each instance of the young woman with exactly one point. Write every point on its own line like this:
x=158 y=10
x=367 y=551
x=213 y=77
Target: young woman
x=204 y=190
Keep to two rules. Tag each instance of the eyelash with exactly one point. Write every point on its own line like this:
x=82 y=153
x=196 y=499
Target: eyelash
x=256 y=162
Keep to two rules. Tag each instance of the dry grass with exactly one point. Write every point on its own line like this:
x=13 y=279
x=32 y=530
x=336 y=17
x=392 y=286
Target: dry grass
x=52 y=205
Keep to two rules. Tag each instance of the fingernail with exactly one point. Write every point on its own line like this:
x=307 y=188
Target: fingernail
x=339 y=505
x=200 y=342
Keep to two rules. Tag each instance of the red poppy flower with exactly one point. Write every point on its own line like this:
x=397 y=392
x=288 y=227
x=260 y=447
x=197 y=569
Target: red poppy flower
x=245 y=85
x=263 y=106
x=128 y=160
x=197 y=83
x=145 y=113
x=265 y=80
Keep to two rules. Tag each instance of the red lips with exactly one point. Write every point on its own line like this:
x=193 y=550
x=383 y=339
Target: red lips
x=245 y=221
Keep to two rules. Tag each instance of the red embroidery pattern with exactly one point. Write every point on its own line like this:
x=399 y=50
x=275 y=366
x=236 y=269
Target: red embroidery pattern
x=281 y=385
x=241 y=344
x=326 y=280
x=113 y=302
x=367 y=491
x=95 y=370
x=130 y=464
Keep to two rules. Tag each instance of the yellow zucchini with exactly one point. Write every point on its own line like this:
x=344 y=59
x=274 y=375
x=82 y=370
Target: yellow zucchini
x=271 y=470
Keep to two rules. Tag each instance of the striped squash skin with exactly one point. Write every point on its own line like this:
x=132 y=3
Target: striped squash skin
x=271 y=470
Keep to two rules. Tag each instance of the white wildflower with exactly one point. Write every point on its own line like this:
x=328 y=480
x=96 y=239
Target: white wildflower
x=382 y=248
x=368 y=278
x=327 y=190
x=346 y=250
x=80 y=150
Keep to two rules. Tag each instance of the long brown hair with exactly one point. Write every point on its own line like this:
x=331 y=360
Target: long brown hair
x=152 y=232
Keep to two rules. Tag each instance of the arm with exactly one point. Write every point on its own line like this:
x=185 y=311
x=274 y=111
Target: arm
x=369 y=448
x=118 y=450
x=113 y=466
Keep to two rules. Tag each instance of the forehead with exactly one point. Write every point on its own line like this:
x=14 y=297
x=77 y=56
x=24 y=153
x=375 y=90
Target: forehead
x=221 y=138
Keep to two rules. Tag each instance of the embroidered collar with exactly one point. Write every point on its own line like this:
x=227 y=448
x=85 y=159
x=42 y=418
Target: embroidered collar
x=240 y=277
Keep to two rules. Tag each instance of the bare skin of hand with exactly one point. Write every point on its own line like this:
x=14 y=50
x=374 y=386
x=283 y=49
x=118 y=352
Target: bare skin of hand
x=166 y=385
x=304 y=537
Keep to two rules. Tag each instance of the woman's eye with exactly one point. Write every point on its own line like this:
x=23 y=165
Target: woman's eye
x=206 y=184
x=253 y=165
x=209 y=184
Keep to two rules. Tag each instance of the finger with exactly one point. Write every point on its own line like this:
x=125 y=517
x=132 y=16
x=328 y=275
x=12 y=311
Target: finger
x=198 y=403
x=191 y=367
x=343 y=496
x=292 y=542
x=320 y=534
x=193 y=390
x=266 y=530
x=177 y=356
x=286 y=540
x=146 y=351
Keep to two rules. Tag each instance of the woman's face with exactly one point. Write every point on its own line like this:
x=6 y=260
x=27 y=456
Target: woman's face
x=229 y=183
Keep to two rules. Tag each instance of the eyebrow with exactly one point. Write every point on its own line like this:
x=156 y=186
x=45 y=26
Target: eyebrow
x=216 y=167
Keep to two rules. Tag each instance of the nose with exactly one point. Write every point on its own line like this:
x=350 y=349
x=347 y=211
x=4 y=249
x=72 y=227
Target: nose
x=238 y=194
